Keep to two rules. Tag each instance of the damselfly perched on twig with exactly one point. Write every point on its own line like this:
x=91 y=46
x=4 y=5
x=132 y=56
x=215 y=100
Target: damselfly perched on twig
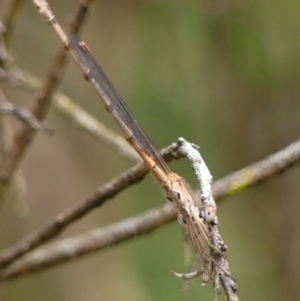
x=197 y=220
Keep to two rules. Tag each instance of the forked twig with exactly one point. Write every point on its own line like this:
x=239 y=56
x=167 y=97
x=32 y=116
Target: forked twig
x=24 y=115
x=90 y=124
x=54 y=253
x=73 y=112
x=41 y=106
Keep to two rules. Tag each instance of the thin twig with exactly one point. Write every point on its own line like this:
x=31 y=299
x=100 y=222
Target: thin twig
x=70 y=248
x=204 y=178
x=73 y=112
x=3 y=47
x=56 y=225
x=258 y=172
x=217 y=263
x=17 y=189
x=262 y=170
x=10 y=18
x=90 y=124
x=42 y=103
x=24 y=115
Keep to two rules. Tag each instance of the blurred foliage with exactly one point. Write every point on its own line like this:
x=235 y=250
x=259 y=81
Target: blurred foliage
x=224 y=75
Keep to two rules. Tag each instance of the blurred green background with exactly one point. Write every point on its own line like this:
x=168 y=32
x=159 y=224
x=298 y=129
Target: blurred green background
x=222 y=74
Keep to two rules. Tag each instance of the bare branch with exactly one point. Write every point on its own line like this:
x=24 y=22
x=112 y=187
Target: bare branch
x=17 y=189
x=11 y=17
x=258 y=172
x=73 y=112
x=42 y=103
x=24 y=115
x=70 y=248
x=18 y=186
x=87 y=122
x=3 y=46
x=263 y=170
x=56 y=225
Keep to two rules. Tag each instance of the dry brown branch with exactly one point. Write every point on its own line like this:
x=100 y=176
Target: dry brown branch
x=261 y=171
x=3 y=47
x=98 y=130
x=73 y=112
x=41 y=103
x=10 y=18
x=96 y=239
x=258 y=172
x=56 y=225
x=24 y=115
x=17 y=189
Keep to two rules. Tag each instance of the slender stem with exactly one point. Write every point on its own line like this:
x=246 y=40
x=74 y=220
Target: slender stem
x=41 y=106
x=80 y=245
x=10 y=19
x=75 y=113
x=57 y=224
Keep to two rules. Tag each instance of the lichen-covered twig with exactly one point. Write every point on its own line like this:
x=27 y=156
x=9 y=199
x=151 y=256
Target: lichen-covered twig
x=217 y=263
x=258 y=172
